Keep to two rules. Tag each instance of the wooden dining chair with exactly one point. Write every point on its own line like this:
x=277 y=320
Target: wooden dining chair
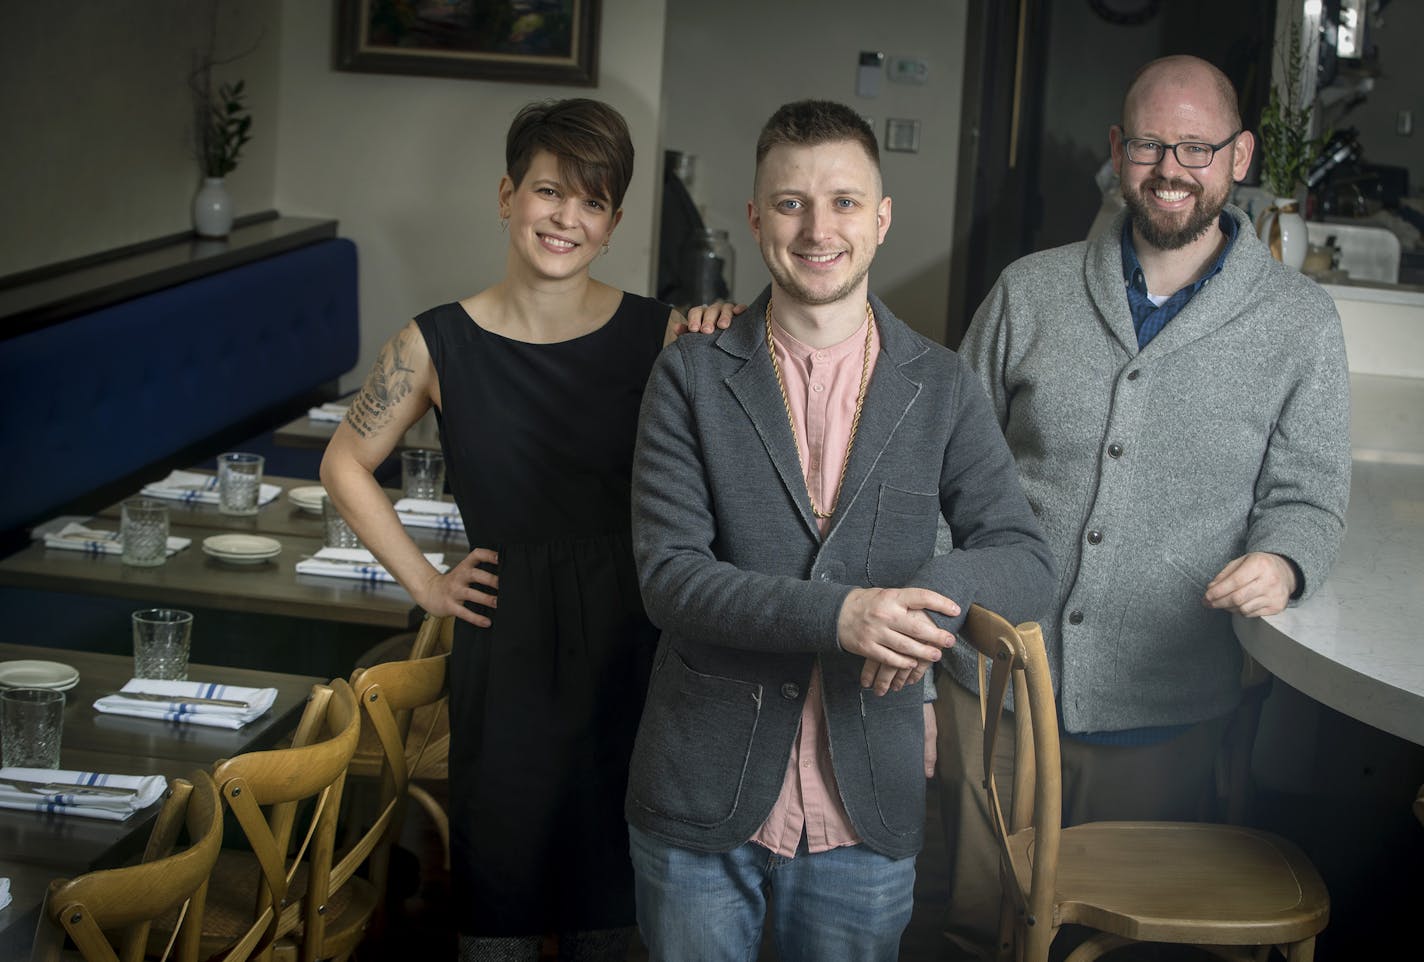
x=286 y=802
x=122 y=902
x=1225 y=889
x=428 y=747
x=389 y=695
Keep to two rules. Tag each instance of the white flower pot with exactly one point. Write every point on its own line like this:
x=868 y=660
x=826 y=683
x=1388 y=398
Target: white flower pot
x=1282 y=229
x=212 y=209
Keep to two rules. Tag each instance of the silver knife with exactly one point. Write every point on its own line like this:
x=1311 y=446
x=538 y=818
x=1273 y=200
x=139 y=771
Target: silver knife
x=67 y=788
x=180 y=699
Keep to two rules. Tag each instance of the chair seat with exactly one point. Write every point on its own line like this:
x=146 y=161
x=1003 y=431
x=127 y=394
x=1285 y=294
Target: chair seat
x=1183 y=882
x=232 y=890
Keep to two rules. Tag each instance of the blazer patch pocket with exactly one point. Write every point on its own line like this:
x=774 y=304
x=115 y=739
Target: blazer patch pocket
x=693 y=744
x=903 y=536
x=894 y=740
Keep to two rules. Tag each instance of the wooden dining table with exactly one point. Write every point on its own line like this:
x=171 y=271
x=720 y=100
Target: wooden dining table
x=192 y=578
x=37 y=847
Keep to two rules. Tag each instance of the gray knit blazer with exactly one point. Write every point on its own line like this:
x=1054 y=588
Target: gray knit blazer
x=747 y=592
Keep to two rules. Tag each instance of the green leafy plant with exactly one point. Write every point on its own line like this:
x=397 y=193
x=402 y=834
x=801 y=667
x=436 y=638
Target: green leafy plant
x=225 y=125
x=1286 y=145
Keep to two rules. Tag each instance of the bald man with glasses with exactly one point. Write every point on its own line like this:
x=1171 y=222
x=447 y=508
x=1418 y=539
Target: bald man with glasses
x=1178 y=408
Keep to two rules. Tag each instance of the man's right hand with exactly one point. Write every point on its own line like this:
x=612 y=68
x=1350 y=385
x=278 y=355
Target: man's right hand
x=709 y=318
x=446 y=594
x=890 y=627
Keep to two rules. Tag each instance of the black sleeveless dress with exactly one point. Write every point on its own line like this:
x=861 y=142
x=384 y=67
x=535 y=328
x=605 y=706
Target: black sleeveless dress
x=544 y=704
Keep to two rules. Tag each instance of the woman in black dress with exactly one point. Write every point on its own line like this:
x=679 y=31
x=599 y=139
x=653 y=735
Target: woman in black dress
x=536 y=382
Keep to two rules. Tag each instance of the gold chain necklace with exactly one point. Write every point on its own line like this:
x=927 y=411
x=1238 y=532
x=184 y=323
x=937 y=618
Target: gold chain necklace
x=855 y=422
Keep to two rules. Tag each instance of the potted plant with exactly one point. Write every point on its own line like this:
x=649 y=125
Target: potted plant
x=1287 y=150
x=224 y=126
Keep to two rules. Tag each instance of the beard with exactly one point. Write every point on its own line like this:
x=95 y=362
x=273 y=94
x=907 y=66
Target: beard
x=801 y=294
x=1164 y=231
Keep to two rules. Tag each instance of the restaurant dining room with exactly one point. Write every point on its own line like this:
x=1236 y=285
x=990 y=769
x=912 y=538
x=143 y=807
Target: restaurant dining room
x=246 y=714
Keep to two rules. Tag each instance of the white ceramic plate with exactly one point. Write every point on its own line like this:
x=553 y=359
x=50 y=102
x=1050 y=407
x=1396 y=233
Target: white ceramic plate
x=29 y=673
x=308 y=498
x=241 y=548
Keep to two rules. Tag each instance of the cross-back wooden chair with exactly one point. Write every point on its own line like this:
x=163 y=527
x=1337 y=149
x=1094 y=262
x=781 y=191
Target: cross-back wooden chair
x=388 y=695
x=107 y=914
x=428 y=747
x=1231 y=891
x=286 y=801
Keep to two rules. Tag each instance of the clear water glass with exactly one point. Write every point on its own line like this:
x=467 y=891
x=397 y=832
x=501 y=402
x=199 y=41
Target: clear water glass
x=31 y=723
x=423 y=474
x=143 y=528
x=239 y=482
x=338 y=532
x=162 y=638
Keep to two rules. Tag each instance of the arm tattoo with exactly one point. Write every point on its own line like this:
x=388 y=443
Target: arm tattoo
x=387 y=385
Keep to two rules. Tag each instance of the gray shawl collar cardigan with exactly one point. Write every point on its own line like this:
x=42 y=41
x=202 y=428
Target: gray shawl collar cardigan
x=1227 y=433
x=747 y=592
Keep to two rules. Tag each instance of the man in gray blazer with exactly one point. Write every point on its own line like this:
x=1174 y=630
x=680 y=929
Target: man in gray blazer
x=1178 y=405
x=788 y=478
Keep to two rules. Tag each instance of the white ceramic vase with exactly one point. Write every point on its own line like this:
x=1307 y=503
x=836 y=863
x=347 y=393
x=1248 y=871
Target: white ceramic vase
x=212 y=209
x=1282 y=229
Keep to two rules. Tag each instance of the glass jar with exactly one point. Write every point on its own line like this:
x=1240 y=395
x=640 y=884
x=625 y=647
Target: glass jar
x=708 y=266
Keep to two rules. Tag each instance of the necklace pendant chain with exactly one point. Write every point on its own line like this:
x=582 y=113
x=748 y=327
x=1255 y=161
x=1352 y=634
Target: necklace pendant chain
x=855 y=421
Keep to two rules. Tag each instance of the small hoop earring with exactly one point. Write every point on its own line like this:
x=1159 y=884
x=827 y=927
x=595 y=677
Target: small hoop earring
x=605 y=247
x=504 y=223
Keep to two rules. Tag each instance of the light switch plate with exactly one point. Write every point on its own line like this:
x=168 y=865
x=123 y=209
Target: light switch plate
x=867 y=75
x=902 y=135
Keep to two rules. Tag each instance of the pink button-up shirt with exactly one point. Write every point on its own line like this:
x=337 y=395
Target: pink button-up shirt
x=821 y=386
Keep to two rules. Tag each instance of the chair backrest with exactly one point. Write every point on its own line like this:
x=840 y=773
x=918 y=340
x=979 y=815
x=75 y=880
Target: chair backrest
x=125 y=901
x=388 y=694
x=265 y=790
x=1014 y=656
x=435 y=636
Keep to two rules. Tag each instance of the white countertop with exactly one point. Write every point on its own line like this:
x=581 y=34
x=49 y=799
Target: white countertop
x=1357 y=644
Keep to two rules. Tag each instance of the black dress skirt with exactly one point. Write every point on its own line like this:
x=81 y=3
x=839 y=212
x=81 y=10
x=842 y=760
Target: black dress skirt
x=544 y=705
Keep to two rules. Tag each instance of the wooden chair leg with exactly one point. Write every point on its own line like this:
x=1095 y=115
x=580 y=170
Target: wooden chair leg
x=1302 y=951
x=437 y=815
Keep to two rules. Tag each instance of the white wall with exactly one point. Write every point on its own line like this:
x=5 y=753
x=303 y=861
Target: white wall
x=410 y=165
x=97 y=121
x=730 y=64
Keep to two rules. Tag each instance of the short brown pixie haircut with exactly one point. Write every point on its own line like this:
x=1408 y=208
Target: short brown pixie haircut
x=809 y=123
x=589 y=138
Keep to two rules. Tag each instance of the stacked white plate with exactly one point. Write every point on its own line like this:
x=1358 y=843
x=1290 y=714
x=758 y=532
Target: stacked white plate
x=30 y=673
x=241 y=549
x=308 y=498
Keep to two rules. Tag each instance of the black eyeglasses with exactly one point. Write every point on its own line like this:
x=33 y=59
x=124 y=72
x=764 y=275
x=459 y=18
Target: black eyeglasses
x=1189 y=153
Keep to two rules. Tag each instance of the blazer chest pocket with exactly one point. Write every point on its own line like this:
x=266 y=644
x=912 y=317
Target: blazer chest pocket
x=693 y=744
x=903 y=536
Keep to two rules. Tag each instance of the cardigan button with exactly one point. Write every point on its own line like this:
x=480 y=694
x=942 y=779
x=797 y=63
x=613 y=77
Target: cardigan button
x=1132 y=375
x=790 y=692
x=1114 y=450
x=1075 y=618
x=1095 y=537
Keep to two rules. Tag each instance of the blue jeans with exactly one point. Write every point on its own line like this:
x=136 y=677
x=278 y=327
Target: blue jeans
x=844 y=905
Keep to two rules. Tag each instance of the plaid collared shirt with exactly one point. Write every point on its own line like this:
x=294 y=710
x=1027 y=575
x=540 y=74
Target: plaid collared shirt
x=1148 y=319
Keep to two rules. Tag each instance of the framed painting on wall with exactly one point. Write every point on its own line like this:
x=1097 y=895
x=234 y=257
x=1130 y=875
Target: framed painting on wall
x=530 y=41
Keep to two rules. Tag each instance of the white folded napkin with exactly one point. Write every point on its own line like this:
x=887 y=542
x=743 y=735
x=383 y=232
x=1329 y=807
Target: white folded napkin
x=76 y=537
x=421 y=513
x=195 y=488
x=115 y=808
x=216 y=716
x=4 y=892
x=328 y=412
x=356 y=563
